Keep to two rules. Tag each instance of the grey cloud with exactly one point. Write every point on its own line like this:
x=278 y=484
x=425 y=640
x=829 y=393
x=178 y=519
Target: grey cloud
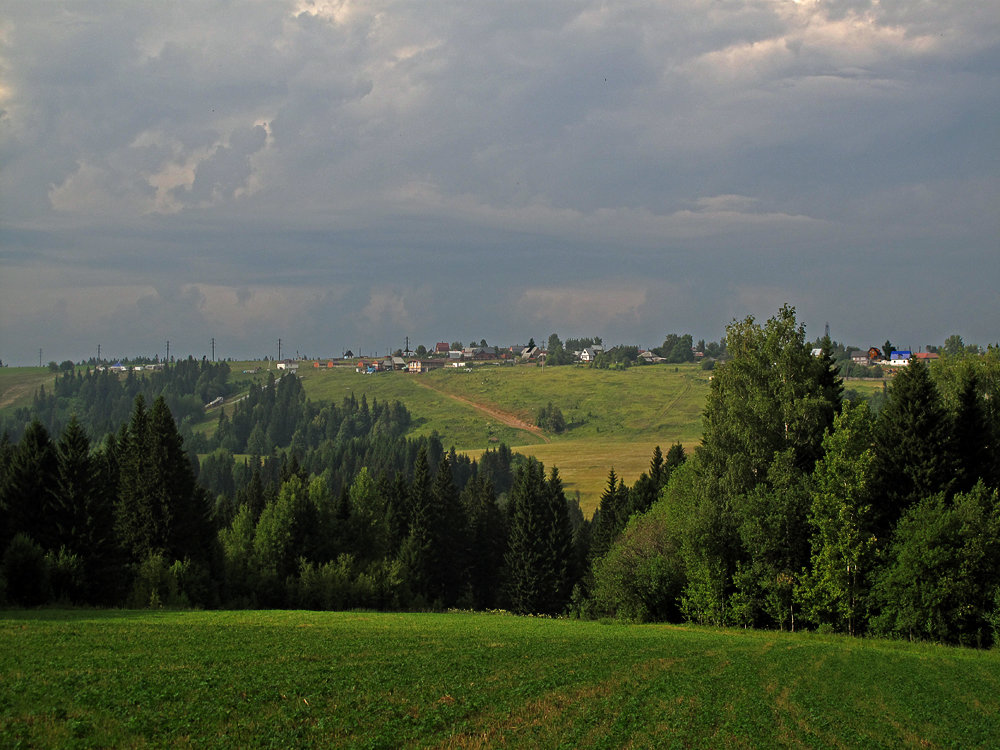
x=426 y=163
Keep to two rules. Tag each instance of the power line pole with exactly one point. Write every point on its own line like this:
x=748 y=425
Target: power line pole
x=98 y=354
x=167 y=361
x=39 y=357
x=279 y=350
x=213 y=348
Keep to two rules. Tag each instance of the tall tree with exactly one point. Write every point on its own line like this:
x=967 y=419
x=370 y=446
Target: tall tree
x=85 y=513
x=529 y=563
x=27 y=499
x=417 y=551
x=843 y=542
x=771 y=395
x=610 y=517
x=487 y=541
x=914 y=452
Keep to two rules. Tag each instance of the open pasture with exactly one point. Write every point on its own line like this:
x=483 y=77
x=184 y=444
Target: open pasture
x=314 y=679
x=614 y=418
x=19 y=384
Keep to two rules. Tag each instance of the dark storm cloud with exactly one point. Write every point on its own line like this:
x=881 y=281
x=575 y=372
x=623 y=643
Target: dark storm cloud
x=345 y=172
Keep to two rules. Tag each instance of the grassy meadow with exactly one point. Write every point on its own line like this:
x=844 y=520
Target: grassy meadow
x=320 y=679
x=19 y=384
x=614 y=418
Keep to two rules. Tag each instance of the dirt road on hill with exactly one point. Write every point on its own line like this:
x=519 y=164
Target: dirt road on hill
x=500 y=416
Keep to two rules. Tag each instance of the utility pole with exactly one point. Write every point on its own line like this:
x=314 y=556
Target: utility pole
x=279 y=350
x=39 y=357
x=168 y=352
x=213 y=348
x=98 y=354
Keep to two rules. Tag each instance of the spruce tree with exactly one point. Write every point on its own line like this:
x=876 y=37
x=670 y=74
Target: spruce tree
x=449 y=531
x=527 y=556
x=914 y=450
x=138 y=527
x=610 y=517
x=559 y=539
x=417 y=551
x=27 y=498
x=85 y=514
x=487 y=541
x=971 y=433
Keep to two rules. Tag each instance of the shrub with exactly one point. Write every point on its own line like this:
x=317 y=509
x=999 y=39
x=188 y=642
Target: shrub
x=26 y=572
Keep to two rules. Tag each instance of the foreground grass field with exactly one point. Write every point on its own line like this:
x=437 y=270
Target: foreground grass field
x=311 y=679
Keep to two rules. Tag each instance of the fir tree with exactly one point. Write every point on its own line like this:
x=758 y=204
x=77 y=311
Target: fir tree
x=914 y=452
x=27 y=498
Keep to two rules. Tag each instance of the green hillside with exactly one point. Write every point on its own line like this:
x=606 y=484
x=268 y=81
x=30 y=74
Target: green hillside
x=312 y=679
x=614 y=417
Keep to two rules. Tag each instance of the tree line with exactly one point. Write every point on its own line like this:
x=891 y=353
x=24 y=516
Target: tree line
x=801 y=509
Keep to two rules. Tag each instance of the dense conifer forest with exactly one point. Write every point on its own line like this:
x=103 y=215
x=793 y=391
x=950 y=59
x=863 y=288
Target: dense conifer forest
x=800 y=508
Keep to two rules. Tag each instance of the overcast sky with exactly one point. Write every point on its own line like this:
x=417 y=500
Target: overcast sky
x=346 y=174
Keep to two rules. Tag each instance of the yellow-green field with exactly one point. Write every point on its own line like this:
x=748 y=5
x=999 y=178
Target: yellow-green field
x=615 y=418
x=18 y=384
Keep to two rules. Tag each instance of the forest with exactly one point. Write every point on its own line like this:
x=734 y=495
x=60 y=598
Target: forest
x=799 y=509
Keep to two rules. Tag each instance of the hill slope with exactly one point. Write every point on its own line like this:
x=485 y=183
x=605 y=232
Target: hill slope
x=614 y=418
x=312 y=679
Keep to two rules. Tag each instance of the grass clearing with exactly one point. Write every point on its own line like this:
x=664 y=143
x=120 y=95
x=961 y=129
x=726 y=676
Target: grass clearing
x=317 y=679
x=18 y=385
x=615 y=418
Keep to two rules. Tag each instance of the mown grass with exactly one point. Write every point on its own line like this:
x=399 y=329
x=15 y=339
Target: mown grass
x=310 y=679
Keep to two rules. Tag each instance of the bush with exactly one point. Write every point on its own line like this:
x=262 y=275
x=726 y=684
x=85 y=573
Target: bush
x=66 y=576
x=26 y=573
x=642 y=576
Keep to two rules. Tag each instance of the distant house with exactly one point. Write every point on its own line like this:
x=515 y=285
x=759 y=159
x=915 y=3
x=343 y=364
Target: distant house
x=398 y=363
x=860 y=358
x=590 y=353
x=926 y=356
x=442 y=347
x=650 y=358
x=530 y=352
x=900 y=358
x=288 y=364
x=816 y=352
x=415 y=366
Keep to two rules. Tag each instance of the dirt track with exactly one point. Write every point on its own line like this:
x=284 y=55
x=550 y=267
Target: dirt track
x=500 y=416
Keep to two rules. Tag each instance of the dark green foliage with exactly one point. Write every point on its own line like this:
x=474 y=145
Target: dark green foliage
x=487 y=540
x=160 y=506
x=610 y=517
x=551 y=418
x=914 y=449
x=102 y=399
x=85 y=515
x=27 y=497
x=25 y=572
x=641 y=578
x=773 y=533
x=843 y=542
x=676 y=348
x=943 y=570
x=539 y=555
